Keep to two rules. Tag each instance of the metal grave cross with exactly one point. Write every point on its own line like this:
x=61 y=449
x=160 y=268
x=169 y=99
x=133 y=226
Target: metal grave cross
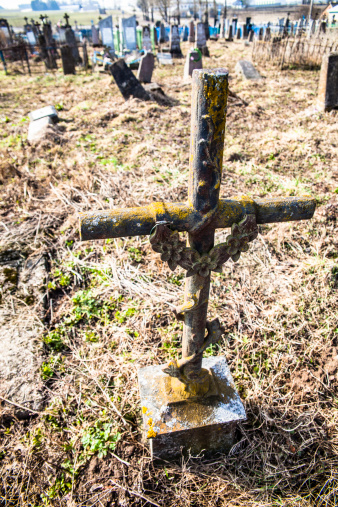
x=199 y=217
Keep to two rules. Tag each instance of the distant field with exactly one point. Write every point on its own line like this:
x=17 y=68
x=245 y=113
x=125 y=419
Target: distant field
x=16 y=18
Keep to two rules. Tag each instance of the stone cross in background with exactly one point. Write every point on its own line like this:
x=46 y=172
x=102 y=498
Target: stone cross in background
x=192 y=402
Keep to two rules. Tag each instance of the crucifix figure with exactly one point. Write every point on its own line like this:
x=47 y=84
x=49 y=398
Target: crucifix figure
x=175 y=393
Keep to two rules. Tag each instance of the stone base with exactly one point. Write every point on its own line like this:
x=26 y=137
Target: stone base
x=175 y=427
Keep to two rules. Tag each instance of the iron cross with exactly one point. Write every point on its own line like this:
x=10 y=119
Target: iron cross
x=199 y=217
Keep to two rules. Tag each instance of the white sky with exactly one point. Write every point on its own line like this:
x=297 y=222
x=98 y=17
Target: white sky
x=12 y=4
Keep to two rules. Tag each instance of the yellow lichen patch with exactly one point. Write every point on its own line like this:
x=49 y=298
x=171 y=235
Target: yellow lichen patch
x=150 y=422
x=151 y=433
x=216 y=92
x=144 y=410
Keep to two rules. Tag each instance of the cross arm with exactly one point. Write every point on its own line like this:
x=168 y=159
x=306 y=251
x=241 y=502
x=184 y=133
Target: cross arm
x=121 y=222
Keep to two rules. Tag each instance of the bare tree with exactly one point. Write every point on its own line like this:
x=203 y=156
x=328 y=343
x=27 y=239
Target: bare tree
x=164 y=7
x=144 y=6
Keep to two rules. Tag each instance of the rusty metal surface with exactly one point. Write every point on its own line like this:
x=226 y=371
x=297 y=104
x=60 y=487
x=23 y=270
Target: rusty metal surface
x=199 y=217
x=140 y=221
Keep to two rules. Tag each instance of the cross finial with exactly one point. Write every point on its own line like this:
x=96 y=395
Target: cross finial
x=66 y=16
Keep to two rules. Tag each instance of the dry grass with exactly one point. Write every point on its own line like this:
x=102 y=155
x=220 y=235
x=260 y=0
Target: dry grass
x=109 y=303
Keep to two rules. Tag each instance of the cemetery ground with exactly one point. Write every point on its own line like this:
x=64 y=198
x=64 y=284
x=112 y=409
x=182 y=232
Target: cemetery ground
x=105 y=308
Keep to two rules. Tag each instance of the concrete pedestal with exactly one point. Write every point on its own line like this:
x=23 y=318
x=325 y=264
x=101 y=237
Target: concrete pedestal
x=175 y=426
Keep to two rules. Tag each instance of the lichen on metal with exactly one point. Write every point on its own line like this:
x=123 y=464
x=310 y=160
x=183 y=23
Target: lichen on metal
x=199 y=217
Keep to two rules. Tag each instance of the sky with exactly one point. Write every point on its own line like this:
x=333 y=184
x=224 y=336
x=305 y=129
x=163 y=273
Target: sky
x=12 y=4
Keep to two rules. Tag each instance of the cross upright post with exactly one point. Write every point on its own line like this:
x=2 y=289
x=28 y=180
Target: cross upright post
x=192 y=402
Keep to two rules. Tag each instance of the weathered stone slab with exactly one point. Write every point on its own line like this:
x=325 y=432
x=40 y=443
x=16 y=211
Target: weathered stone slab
x=128 y=84
x=146 y=39
x=129 y=33
x=38 y=129
x=106 y=29
x=193 y=61
x=328 y=83
x=165 y=59
x=43 y=112
x=175 y=42
x=191 y=37
x=146 y=68
x=71 y=42
x=21 y=308
x=68 y=60
x=247 y=70
x=175 y=426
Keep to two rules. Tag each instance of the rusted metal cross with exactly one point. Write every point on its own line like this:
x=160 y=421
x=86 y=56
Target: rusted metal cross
x=199 y=217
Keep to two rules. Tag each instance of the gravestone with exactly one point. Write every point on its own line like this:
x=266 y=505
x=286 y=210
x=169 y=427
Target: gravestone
x=260 y=33
x=229 y=36
x=48 y=111
x=328 y=83
x=191 y=404
x=201 y=42
x=31 y=36
x=95 y=36
x=68 y=61
x=165 y=59
x=106 y=29
x=267 y=35
x=162 y=34
x=146 y=68
x=185 y=33
x=247 y=70
x=251 y=35
x=238 y=35
x=146 y=39
x=205 y=21
x=40 y=120
x=193 y=61
x=191 y=37
x=128 y=84
x=71 y=42
x=129 y=33
x=175 y=42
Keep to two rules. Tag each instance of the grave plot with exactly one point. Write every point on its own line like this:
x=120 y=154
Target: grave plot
x=108 y=304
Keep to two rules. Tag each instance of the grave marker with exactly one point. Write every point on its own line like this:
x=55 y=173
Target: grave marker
x=192 y=403
x=71 y=42
x=193 y=61
x=106 y=29
x=251 y=35
x=201 y=42
x=95 y=36
x=129 y=33
x=146 y=68
x=128 y=84
x=165 y=59
x=328 y=83
x=247 y=70
x=68 y=61
x=146 y=39
x=162 y=34
x=191 y=37
x=185 y=33
x=175 y=42
x=40 y=119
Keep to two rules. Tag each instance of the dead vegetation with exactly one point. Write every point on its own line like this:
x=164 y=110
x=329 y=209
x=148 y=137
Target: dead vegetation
x=109 y=303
